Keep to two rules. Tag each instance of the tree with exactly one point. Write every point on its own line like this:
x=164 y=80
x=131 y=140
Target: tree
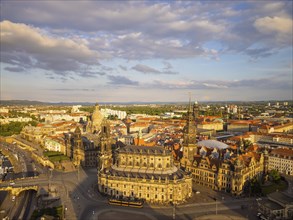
x=275 y=176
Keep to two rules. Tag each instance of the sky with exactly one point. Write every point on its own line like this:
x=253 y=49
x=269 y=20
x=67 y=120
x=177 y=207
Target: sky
x=148 y=51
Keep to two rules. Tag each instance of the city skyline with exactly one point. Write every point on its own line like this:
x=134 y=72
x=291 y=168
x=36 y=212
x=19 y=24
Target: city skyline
x=133 y=51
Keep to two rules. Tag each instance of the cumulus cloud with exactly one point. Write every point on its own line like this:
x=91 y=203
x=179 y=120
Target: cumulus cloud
x=30 y=47
x=63 y=42
x=117 y=34
x=121 y=80
x=280 y=27
x=149 y=70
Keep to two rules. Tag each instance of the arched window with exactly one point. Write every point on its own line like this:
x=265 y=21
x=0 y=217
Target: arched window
x=159 y=165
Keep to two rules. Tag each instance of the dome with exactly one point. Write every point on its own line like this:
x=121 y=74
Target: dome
x=212 y=144
x=97 y=118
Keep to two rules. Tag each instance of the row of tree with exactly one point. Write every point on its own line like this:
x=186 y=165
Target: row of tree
x=14 y=127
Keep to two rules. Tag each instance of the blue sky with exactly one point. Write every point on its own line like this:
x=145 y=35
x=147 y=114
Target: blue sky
x=109 y=51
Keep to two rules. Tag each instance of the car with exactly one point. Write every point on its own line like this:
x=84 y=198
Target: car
x=197 y=192
x=12 y=183
x=258 y=214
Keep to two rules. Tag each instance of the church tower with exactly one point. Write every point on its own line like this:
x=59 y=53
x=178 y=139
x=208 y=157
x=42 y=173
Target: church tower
x=105 y=153
x=78 y=151
x=189 y=138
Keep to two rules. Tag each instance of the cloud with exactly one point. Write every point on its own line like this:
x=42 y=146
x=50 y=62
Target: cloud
x=123 y=67
x=65 y=43
x=279 y=27
x=149 y=70
x=167 y=65
x=70 y=90
x=121 y=80
x=145 y=69
x=15 y=69
x=30 y=47
x=280 y=81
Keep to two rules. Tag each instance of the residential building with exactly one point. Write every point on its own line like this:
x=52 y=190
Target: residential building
x=281 y=159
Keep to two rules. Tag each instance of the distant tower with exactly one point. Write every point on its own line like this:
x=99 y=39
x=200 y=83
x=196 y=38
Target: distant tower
x=195 y=110
x=189 y=138
x=105 y=154
x=78 y=151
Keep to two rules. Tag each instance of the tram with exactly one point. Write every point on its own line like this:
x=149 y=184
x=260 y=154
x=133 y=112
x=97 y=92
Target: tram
x=120 y=202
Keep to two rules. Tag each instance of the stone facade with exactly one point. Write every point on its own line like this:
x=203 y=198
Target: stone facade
x=215 y=166
x=81 y=149
x=145 y=173
x=226 y=174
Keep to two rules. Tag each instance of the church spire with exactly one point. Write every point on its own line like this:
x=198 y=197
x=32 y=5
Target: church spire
x=189 y=109
x=190 y=129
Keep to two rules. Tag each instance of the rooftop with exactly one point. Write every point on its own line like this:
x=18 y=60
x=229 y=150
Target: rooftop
x=144 y=150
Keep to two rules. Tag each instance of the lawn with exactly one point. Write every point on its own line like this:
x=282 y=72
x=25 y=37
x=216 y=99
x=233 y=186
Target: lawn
x=57 y=212
x=55 y=156
x=282 y=185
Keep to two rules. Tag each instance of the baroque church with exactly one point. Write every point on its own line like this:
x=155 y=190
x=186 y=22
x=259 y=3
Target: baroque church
x=141 y=172
x=83 y=149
